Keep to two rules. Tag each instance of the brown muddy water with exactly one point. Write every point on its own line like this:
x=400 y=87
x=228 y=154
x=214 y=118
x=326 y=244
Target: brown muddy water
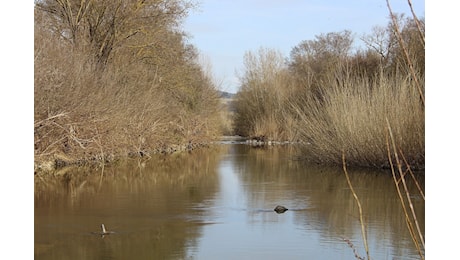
x=218 y=203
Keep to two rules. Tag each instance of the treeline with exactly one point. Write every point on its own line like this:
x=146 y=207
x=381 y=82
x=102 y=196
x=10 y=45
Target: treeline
x=338 y=100
x=116 y=78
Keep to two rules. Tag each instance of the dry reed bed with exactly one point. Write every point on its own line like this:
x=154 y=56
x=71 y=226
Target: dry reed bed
x=334 y=101
x=351 y=118
x=397 y=147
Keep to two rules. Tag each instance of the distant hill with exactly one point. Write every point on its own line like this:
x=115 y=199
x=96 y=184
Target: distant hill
x=224 y=94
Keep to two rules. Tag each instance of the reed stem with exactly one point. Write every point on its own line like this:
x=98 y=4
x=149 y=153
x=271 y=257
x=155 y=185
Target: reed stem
x=361 y=219
x=401 y=178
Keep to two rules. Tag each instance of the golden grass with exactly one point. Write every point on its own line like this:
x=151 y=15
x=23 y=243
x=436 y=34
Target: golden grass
x=347 y=113
x=352 y=118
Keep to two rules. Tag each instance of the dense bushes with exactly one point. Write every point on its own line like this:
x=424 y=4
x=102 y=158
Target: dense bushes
x=117 y=77
x=335 y=100
x=261 y=101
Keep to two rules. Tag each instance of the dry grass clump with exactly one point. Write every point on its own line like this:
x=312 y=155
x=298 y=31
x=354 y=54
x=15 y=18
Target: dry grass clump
x=352 y=118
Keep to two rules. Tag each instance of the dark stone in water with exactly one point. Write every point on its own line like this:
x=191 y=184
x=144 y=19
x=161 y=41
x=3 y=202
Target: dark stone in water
x=280 y=209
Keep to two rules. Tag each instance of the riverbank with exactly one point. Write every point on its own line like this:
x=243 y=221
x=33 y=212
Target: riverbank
x=60 y=160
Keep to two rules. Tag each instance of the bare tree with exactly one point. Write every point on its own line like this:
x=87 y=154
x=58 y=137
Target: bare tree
x=103 y=26
x=313 y=61
x=380 y=41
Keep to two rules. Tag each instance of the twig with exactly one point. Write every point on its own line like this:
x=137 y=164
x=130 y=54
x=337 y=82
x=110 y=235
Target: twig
x=403 y=204
x=51 y=117
x=413 y=176
x=363 y=228
x=352 y=246
x=417 y=22
x=51 y=145
x=411 y=206
x=406 y=53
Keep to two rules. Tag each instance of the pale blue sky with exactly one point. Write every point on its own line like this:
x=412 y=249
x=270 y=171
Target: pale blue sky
x=223 y=30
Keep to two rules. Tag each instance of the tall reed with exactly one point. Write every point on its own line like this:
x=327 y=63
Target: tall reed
x=396 y=147
x=350 y=117
x=360 y=209
x=400 y=168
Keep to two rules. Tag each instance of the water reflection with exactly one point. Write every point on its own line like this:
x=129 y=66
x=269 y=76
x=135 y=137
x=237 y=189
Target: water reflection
x=218 y=203
x=322 y=211
x=147 y=203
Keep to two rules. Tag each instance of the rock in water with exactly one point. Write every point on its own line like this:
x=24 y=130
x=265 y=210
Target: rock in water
x=280 y=209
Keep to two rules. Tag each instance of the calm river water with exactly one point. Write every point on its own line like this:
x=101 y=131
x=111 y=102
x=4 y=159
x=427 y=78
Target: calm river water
x=217 y=203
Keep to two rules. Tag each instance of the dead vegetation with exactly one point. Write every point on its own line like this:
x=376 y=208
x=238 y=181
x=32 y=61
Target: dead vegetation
x=333 y=98
x=117 y=78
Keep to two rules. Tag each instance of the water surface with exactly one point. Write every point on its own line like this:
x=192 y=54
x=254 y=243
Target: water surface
x=218 y=203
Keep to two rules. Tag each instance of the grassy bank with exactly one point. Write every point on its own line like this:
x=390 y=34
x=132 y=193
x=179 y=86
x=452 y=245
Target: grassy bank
x=110 y=81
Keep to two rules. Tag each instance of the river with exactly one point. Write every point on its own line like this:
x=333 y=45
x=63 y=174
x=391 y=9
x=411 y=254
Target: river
x=217 y=203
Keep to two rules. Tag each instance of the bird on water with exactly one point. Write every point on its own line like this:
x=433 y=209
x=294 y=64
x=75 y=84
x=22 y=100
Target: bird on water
x=280 y=209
